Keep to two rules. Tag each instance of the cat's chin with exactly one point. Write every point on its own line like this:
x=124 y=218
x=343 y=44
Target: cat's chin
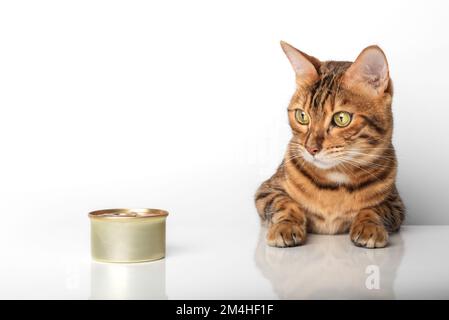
x=319 y=163
x=323 y=165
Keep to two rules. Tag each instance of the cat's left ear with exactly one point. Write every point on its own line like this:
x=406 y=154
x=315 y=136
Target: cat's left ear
x=369 y=72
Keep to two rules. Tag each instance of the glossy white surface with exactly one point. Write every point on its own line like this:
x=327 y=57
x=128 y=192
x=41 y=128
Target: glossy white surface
x=224 y=262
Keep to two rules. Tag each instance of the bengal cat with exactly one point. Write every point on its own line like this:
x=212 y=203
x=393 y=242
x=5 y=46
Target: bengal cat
x=339 y=170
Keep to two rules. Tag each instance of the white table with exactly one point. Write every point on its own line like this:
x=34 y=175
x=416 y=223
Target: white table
x=233 y=262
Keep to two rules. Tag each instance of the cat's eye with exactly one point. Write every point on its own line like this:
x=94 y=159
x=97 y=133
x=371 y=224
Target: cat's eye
x=302 y=117
x=342 y=119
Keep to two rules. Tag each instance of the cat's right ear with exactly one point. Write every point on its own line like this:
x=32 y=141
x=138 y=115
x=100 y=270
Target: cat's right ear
x=304 y=65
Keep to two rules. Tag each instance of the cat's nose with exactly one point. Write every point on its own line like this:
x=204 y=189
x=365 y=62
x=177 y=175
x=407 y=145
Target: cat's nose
x=313 y=150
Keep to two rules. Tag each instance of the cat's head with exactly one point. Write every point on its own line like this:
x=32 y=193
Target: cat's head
x=341 y=111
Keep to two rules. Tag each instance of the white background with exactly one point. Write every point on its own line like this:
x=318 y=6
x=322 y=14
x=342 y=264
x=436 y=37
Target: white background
x=181 y=104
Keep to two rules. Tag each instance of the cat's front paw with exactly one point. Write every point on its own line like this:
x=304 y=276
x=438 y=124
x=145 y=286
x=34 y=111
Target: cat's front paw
x=369 y=235
x=286 y=234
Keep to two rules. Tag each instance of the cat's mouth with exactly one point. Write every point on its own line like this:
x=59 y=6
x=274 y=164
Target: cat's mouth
x=320 y=161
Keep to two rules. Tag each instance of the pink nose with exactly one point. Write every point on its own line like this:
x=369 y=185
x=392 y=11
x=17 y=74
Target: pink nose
x=313 y=150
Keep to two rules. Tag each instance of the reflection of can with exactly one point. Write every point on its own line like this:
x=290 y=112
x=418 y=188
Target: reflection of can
x=128 y=235
x=131 y=281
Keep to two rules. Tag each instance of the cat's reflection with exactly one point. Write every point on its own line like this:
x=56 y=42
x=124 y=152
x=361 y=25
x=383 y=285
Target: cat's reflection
x=128 y=281
x=330 y=267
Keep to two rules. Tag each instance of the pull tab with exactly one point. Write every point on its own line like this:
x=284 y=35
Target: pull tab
x=121 y=214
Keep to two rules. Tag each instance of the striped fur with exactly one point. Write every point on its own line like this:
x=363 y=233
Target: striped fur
x=357 y=194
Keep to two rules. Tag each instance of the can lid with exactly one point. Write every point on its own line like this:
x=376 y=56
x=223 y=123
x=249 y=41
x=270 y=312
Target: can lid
x=127 y=213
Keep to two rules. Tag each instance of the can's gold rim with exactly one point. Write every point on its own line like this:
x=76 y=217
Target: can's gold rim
x=127 y=213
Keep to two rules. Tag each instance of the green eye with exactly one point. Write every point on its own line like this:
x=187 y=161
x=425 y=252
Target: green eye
x=342 y=119
x=302 y=117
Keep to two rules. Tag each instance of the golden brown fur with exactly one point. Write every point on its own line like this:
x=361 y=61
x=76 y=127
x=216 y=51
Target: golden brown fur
x=353 y=187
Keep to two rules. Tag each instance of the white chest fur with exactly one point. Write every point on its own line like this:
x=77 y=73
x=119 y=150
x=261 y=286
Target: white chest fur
x=338 y=177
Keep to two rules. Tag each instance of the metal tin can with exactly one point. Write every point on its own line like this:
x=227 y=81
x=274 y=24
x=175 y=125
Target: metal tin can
x=128 y=235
